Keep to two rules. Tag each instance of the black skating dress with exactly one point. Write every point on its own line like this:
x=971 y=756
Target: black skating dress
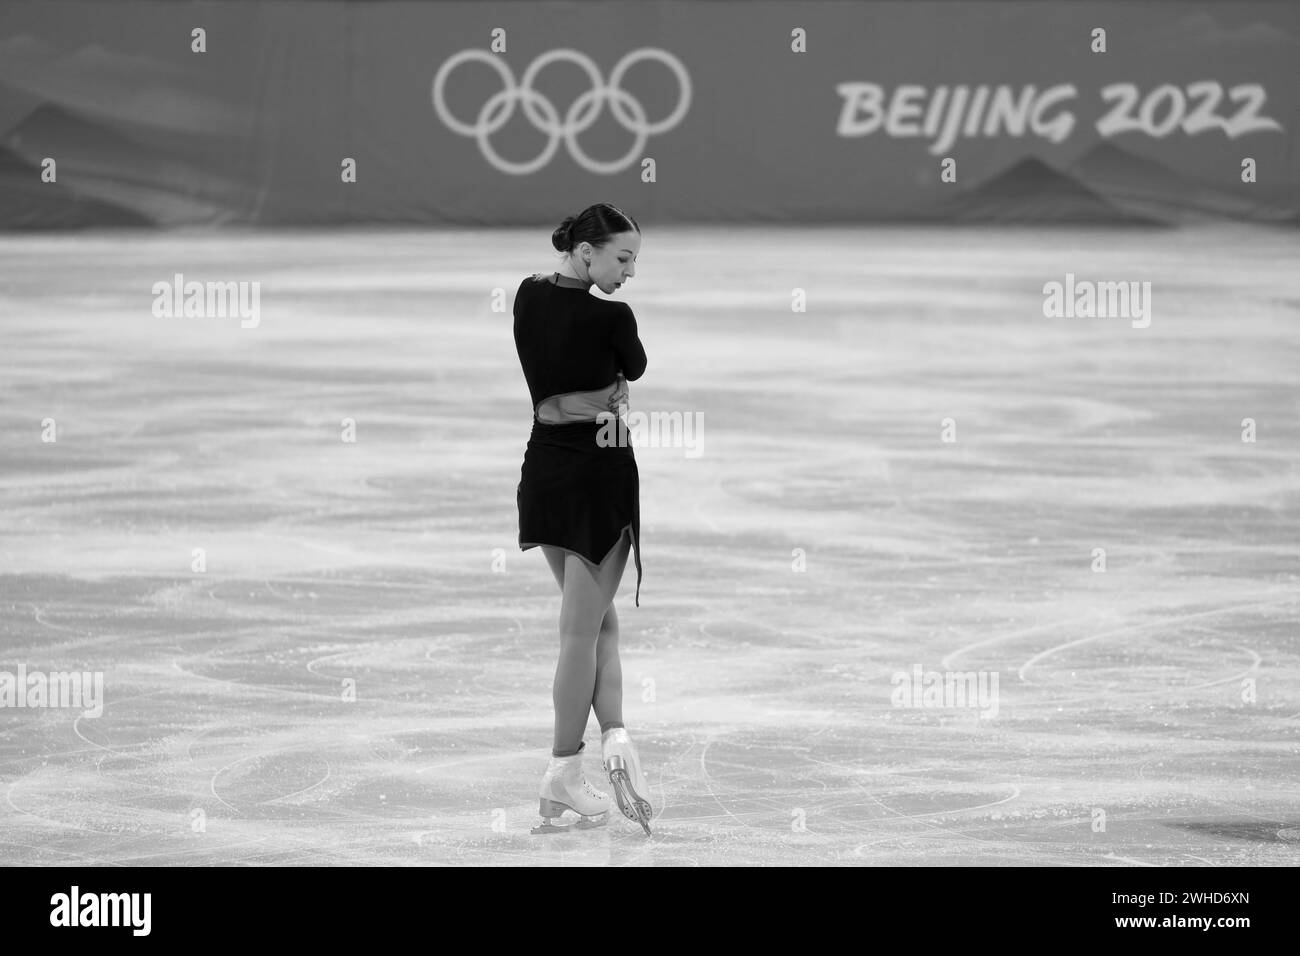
x=574 y=493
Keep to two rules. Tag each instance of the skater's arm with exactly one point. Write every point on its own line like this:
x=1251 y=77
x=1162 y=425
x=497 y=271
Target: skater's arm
x=628 y=350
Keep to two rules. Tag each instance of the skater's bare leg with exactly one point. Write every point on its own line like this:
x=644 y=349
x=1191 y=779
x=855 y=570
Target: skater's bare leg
x=607 y=700
x=555 y=560
x=587 y=595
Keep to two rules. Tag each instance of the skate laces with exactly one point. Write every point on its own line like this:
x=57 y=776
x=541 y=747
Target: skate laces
x=571 y=774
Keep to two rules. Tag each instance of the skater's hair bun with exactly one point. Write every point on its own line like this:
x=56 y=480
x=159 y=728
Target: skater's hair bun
x=595 y=225
x=562 y=238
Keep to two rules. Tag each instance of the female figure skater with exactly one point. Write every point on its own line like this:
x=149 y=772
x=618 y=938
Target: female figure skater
x=578 y=497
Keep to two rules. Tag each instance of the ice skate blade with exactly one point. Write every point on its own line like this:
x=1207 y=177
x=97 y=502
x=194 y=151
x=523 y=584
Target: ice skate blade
x=632 y=806
x=556 y=825
x=561 y=818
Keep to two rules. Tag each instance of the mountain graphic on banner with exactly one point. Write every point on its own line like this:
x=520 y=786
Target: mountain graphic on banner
x=27 y=203
x=1148 y=187
x=1033 y=191
x=158 y=174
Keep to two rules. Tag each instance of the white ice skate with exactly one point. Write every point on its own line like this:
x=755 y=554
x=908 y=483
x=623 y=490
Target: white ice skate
x=565 y=788
x=625 y=776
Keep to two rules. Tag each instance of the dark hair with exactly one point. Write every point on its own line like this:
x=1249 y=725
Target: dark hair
x=595 y=224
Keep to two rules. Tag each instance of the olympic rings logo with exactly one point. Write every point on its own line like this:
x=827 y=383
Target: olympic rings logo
x=543 y=115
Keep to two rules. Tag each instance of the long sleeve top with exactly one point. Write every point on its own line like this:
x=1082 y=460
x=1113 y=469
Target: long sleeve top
x=569 y=340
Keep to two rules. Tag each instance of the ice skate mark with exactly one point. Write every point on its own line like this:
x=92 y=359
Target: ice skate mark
x=276 y=593
x=973 y=560
x=838 y=770
x=37 y=614
x=196 y=854
x=952 y=841
x=473 y=758
x=189 y=747
x=80 y=857
x=1014 y=795
x=947 y=662
x=388 y=748
x=1127 y=859
x=442 y=643
x=79 y=828
x=708 y=784
x=919 y=819
x=1137 y=628
x=948 y=840
x=212 y=785
x=86 y=638
x=1112 y=694
x=453 y=840
x=661 y=806
x=254 y=688
x=76 y=730
x=1142 y=768
x=258 y=755
x=1235 y=677
x=304 y=789
x=861 y=848
x=118 y=751
x=76 y=722
x=439 y=647
x=311 y=665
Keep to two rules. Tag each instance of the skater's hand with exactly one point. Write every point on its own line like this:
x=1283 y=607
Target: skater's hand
x=620 y=395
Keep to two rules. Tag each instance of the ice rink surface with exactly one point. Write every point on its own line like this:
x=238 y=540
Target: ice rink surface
x=1146 y=714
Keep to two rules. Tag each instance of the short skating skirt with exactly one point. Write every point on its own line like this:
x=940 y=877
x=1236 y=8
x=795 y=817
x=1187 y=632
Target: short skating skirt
x=576 y=495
